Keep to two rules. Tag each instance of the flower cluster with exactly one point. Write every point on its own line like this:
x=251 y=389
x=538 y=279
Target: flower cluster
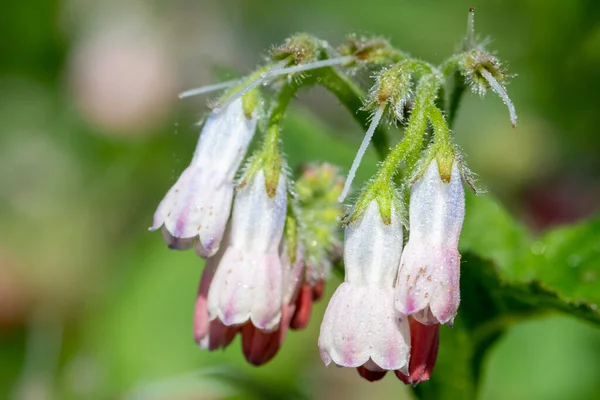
x=254 y=281
x=270 y=242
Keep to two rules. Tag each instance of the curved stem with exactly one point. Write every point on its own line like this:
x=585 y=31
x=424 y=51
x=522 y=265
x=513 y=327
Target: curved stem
x=409 y=149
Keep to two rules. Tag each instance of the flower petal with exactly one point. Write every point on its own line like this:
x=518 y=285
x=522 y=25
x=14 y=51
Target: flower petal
x=360 y=324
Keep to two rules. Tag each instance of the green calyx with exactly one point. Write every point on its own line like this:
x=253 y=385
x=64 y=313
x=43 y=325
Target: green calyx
x=442 y=149
x=299 y=49
x=409 y=149
x=384 y=193
x=392 y=86
x=376 y=51
x=250 y=100
x=472 y=63
x=269 y=159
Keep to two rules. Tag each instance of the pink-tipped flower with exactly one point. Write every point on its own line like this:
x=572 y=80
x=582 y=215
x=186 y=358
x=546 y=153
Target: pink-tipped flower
x=210 y=335
x=428 y=279
x=361 y=328
x=197 y=207
x=248 y=282
x=261 y=346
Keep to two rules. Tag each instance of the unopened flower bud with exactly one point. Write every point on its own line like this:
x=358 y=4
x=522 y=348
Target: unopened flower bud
x=428 y=280
x=424 y=342
x=317 y=191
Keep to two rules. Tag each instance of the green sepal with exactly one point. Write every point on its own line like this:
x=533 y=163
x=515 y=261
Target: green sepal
x=385 y=194
x=374 y=50
x=299 y=49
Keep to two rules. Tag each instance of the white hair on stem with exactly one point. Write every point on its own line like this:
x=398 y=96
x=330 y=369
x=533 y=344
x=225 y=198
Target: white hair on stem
x=312 y=65
x=280 y=69
x=361 y=151
x=471 y=27
x=207 y=89
x=500 y=91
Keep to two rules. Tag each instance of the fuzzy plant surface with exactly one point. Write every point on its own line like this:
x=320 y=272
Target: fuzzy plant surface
x=434 y=271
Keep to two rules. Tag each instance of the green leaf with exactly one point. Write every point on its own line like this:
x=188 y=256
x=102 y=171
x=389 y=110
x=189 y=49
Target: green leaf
x=558 y=270
x=507 y=276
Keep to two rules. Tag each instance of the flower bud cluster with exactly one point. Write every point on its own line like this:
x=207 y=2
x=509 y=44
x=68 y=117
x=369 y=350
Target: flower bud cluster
x=482 y=70
x=393 y=87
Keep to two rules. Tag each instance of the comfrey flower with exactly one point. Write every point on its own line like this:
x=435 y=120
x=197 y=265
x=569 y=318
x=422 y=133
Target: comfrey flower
x=197 y=207
x=248 y=282
x=269 y=259
x=428 y=280
x=252 y=284
x=361 y=328
x=260 y=346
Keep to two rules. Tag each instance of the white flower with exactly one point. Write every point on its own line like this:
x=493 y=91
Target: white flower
x=428 y=279
x=199 y=204
x=261 y=346
x=208 y=334
x=361 y=328
x=248 y=282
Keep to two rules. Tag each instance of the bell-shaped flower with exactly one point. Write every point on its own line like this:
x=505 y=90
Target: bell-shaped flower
x=197 y=207
x=361 y=328
x=261 y=346
x=428 y=279
x=248 y=282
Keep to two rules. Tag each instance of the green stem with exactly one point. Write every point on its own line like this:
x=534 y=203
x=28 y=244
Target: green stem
x=450 y=72
x=283 y=101
x=455 y=96
x=269 y=157
x=409 y=149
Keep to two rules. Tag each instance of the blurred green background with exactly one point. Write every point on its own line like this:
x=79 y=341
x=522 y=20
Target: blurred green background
x=92 y=306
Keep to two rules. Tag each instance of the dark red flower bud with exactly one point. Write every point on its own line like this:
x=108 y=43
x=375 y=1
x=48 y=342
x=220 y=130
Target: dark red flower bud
x=318 y=289
x=369 y=375
x=303 y=307
x=424 y=341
